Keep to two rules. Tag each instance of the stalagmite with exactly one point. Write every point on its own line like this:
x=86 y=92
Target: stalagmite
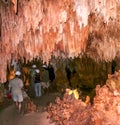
x=40 y=28
x=15 y=2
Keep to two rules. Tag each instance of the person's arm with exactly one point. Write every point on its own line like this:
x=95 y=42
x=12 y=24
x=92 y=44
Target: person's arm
x=9 y=88
x=21 y=85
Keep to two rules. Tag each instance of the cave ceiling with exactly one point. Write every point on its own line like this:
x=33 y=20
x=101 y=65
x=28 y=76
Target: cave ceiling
x=65 y=28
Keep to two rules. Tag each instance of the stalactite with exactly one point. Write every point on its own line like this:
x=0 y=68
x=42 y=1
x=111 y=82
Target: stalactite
x=0 y=27
x=15 y=3
x=60 y=27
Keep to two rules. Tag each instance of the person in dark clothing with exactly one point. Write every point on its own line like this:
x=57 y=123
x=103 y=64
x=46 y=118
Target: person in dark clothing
x=68 y=75
x=51 y=73
x=113 y=66
x=37 y=83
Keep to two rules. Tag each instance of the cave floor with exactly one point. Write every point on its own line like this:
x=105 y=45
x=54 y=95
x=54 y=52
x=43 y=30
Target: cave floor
x=9 y=116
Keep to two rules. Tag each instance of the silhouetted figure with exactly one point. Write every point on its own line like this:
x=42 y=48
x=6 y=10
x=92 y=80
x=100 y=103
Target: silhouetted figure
x=68 y=74
x=51 y=73
x=113 y=66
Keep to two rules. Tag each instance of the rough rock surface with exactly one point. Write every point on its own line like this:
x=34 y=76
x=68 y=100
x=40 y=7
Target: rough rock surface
x=64 y=28
x=105 y=109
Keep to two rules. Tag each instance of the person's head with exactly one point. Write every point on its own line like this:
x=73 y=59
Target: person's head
x=44 y=66
x=18 y=73
x=37 y=71
x=34 y=66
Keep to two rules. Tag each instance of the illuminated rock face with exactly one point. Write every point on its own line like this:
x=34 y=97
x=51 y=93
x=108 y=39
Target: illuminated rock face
x=64 y=28
x=106 y=108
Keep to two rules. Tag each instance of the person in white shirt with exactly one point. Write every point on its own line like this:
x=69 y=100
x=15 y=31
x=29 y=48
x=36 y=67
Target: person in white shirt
x=15 y=87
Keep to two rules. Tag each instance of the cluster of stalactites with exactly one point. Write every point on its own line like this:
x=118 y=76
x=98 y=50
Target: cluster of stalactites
x=42 y=28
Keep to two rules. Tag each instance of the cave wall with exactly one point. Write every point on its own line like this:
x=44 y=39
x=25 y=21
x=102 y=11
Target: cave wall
x=85 y=73
x=65 y=28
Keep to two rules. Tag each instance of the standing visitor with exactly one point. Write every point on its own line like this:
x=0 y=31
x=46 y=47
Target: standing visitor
x=45 y=78
x=37 y=83
x=32 y=74
x=51 y=73
x=113 y=67
x=15 y=87
x=68 y=75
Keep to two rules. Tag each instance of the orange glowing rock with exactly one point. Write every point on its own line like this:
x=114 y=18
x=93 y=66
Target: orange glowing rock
x=15 y=2
x=11 y=75
x=87 y=101
x=27 y=83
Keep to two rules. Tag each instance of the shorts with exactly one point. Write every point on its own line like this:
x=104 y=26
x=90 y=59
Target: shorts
x=17 y=97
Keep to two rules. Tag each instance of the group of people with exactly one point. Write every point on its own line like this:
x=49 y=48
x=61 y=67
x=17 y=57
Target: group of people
x=39 y=80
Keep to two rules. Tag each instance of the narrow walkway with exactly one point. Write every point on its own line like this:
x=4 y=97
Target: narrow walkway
x=9 y=116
